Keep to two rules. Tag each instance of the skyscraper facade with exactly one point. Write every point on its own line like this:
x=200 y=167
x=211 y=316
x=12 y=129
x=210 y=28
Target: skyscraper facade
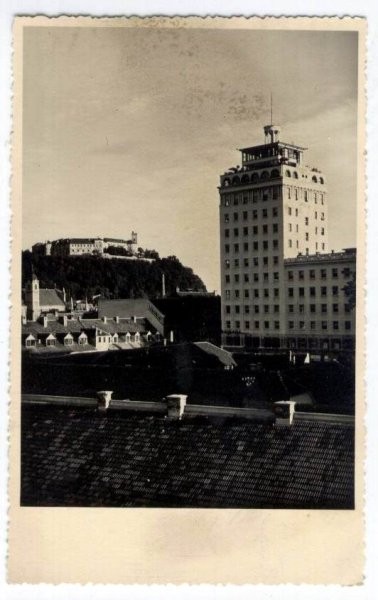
x=274 y=237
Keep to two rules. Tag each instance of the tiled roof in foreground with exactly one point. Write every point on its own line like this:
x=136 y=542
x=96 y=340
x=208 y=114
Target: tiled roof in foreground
x=80 y=457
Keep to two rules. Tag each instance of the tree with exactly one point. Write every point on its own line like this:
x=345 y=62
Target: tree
x=350 y=291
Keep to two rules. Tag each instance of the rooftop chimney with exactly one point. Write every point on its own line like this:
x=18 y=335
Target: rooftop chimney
x=176 y=405
x=103 y=399
x=116 y=319
x=104 y=319
x=284 y=412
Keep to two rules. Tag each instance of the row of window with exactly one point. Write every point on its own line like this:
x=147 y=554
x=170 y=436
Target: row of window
x=264 y=229
x=247 y=277
x=324 y=325
x=244 y=215
x=251 y=196
x=245 y=179
x=254 y=245
x=324 y=290
x=266 y=293
x=323 y=273
x=266 y=308
x=246 y=262
x=296 y=193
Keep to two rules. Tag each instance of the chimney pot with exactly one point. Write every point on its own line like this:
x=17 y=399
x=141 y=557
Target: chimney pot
x=284 y=412
x=176 y=405
x=103 y=399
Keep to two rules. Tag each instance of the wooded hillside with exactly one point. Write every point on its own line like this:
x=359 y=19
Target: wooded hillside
x=85 y=276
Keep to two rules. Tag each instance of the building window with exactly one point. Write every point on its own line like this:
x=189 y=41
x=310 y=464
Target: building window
x=255 y=245
x=246 y=309
x=291 y=324
x=312 y=324
x=276 y=276
x=226 y=218
x=265 y=229
x=227 y=263
x=336 y=325
x=255 y=261
x=290 y=244
x=275 y=244
x=347 y=308
x=237 y=325
x=236 y=232
x=300 y=274
x=227 y=248
x=228 y=294
x=245 y=246
x=246 y=324
x=257 y=324
x=335 y=273
x=246 y=293
x=323 y=291
x=301 y=308
x=236 y=216
x=275 y=260
x=312 y=273
x=237 y=309
x=289 y=210
x=276 y=324
x=265 y=261
x=276 y=308
x=266 y=308
x=254 y=214
x=291 y=308
x=255 y=230
x=275 y=212
x=265 y=276
x=291 y=292
x=228 y=324
x=256 y=293
x=296 y=212
x=227 y=233
x=276 y=292
x=264 y=213
x=312 y=308
x=322 y=231
x=301 y=292
x=245 y=215
x=335 y=290
x=228 y=309
x=312 y=291
x=246 y=262
x=301 y=324
x=256 y=309
x=323 y=273
x=255 y=276
x=265 y=245
x=324 y=325
x=290 y=227
x=237 y=293
x=236 y=262
x=227 y=279
x=236 y=277
x=275 y=228
x=236 y=248
x=324 y=308
x=289 y=193
x=266 y=293
x=348 y=325
x=266 y=324
x=245 y=230
x=306 y=235
x=246 y=277
x=306 y=220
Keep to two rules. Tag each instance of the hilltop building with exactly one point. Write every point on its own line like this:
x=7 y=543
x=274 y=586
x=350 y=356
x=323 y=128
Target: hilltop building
x=281 y=287
x=82 y=246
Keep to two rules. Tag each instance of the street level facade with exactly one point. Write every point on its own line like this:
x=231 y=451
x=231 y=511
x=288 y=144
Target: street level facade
x=281 y=286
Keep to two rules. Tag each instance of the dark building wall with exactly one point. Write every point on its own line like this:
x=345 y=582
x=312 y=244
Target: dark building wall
x=192 y=318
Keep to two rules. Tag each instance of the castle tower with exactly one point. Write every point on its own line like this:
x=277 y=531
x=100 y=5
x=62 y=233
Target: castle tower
x=272 y=208
x=32 y=298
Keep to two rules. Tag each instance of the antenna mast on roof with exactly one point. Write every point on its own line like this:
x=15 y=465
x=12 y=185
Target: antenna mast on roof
x=271 y=108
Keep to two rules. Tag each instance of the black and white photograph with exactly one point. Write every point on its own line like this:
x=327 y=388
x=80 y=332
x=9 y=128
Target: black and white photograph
x=188 y=267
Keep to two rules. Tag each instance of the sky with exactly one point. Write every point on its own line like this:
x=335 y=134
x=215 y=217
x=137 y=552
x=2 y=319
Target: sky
x=129 y=129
